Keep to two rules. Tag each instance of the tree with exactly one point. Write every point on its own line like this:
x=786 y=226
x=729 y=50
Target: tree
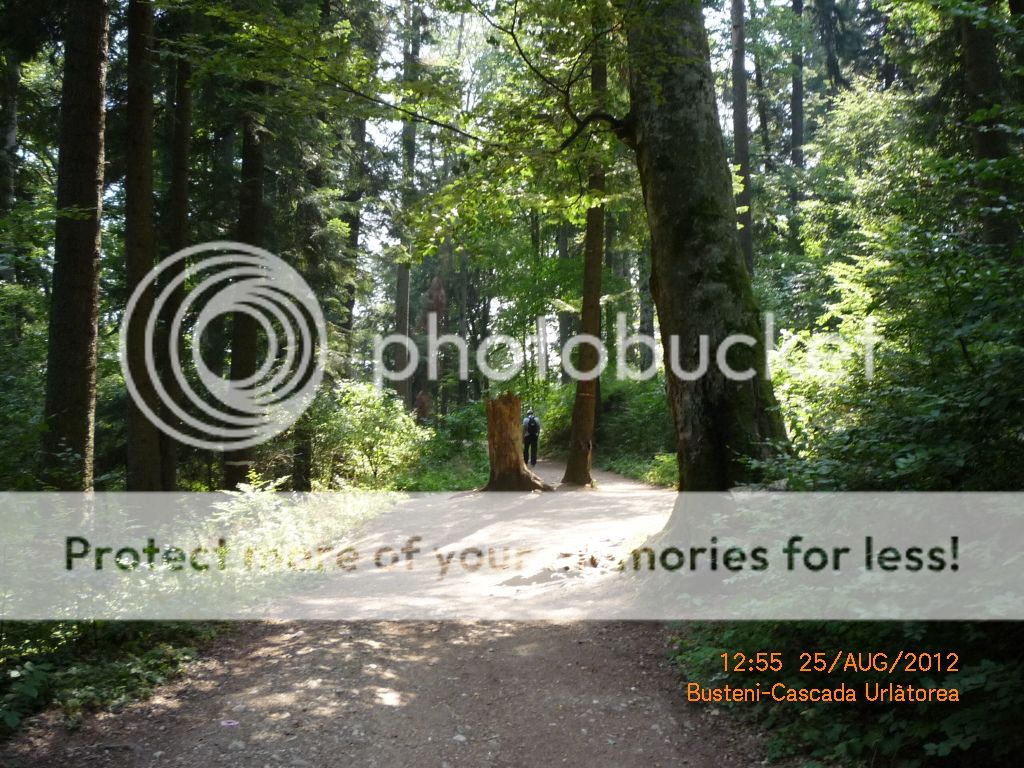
x=143 y=458
x=354 y=221
x=985 y=94
x=1017 y=16
x=505 y=447
x=740 y=130
x=11 y=75
x=244 y=335
x=177 y=239
x=796 y=107
x=25 y=25
x=410 y=74
x=699 y=282
x=369 y=40
x=646 y=301
x=767 y=162
x=71 y=359
x=581 y=441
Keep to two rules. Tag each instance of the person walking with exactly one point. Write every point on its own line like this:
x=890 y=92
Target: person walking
x=531 y=436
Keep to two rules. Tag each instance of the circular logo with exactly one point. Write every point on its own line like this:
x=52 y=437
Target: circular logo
x=191 y=290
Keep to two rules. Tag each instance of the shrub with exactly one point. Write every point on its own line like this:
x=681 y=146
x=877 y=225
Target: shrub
x=363 y=437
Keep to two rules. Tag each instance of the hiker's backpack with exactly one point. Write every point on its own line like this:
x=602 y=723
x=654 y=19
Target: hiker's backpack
x=532 y=426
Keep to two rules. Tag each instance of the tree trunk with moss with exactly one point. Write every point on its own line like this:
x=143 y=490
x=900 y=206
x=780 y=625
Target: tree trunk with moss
x=505 y=448
x=699 y=282
x=74 y=298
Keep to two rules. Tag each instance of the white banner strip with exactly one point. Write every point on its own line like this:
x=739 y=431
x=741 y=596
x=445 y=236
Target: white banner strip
x=616 y=554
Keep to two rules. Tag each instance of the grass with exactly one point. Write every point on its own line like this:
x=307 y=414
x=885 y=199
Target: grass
x=660 y=469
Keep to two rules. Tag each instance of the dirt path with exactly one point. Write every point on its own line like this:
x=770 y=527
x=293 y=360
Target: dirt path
x=408 y=694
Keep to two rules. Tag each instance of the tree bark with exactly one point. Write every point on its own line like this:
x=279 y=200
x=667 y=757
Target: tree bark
x=302 y=456
x=71 y=359
x=354 y=220
x=767 y=162
x=463 y=386
x=1017 y=16
x=827 y=13
x=646 y=301
x=796 y=113
x=143 y=455
x=505 y=448
x=740 y=126
x=244 y=335
x=699 y=283
x=584 y=410
x=410 y=73
x=177 y=239
x=9 y=128
x=797 y=96
x=983 y=85
x=565 y=319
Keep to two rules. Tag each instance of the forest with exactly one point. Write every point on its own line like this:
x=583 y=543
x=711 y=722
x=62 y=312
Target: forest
x=839 y=182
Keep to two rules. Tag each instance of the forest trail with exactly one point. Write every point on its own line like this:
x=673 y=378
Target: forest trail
x=400 y=694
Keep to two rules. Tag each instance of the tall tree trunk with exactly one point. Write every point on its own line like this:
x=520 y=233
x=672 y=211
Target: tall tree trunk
x=796 y=104
x=410 y=73
x=699 y=283
x=505 y=448
x=215 y=342
x=983 y=85
x=71 y=358
x=302 y=455
x=827 y=13
x=313 y=222
x=646 y=301
x=244 y=336
x=767 y=162
x=353 y=218
x=740 y=130
x=463 y=393
x=613 y=262
x=177 y=239
x=143 y=455
x=1017 y=15
x=796 y=113
x=566 y=320
x=9 y=128
x=584 y=410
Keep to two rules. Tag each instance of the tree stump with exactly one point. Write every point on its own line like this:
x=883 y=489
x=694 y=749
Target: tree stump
x=505 y=448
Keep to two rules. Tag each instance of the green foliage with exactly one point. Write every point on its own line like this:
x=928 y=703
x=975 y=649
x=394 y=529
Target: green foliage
x=889 y=232
x=82 y=666
x=893 y=245
x=23 y=330
x=635 y=436
x=455 y=455
x=363 y=437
